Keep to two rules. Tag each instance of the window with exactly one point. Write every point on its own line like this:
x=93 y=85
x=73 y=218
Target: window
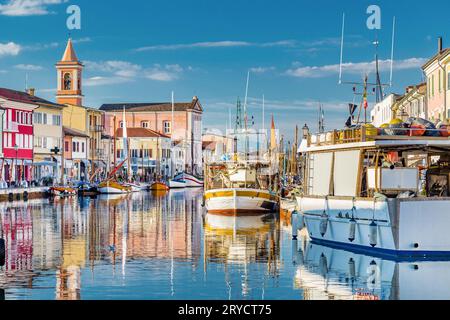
x=121 y=124
x=44 y=118
x=38 y=118
x=44 y=143
x=432 y=85
x=145 y=124
x=74 y=146
x=66 y=146
x=82 y=147
x=56 y=120
x=167 y=127
x=440 y=81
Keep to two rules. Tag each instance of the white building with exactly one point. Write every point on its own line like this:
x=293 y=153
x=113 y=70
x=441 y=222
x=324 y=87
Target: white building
x=382 y=112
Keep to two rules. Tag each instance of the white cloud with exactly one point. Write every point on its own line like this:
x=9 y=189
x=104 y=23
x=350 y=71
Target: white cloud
x=28 y=67
x=261 y=69
x=9 y=49
x=119 y=70
x=103 y=81
x=28 y=7
x=116 y=67
x=219 y=44
x=354 y=68
x=82 y=40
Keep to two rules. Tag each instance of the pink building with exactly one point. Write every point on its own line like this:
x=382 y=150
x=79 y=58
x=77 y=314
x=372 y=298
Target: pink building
x=186 y=125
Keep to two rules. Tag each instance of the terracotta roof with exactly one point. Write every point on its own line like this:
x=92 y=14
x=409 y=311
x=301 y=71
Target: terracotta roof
x=140 y=133
x=439 y=55
x=74 y=133
x=151 y=107
x=23 y=97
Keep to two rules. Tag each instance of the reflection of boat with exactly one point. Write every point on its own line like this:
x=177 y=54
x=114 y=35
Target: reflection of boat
x=113 y=187
x=136 y=187
x=328 y=273
x=62 y=192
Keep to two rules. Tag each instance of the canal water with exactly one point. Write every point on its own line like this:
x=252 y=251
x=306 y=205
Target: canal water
x=148 y=246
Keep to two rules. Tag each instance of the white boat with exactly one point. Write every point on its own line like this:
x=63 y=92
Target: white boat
x=235 y=188
x=192 y=181
x=385 y=194
x=177 y=184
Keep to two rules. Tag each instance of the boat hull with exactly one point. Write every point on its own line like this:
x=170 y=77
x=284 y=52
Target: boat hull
x=62 y=192
x=240 y=202
x=113 y=188
x=192 y=181
x=159 y=186
x=396 y=227
x=177 y=184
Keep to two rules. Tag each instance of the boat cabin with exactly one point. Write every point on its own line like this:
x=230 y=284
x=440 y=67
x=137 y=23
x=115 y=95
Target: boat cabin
x=354 y=164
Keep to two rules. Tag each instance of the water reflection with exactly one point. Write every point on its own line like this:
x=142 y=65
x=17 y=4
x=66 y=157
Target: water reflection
x=326 y=273
x=165 y=246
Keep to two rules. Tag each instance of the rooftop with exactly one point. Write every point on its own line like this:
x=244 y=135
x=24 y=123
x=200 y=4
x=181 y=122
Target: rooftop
x=153 y=107
x=74 y=133
x=24 y=97
x=140 y=133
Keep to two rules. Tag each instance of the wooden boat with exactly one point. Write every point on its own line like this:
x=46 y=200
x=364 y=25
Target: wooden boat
x=159 y=186
x=113 y=187
x=236 y=189
x=62 y=192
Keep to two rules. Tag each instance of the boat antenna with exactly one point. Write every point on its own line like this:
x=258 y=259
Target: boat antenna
x=342 y=48
x=378 y=86
x=246 y=100
x=392 y=52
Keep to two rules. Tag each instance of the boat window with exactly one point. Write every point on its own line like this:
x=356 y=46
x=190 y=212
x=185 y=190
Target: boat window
x=320 y=173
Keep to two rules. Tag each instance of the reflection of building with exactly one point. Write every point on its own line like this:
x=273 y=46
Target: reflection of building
x=76 y=165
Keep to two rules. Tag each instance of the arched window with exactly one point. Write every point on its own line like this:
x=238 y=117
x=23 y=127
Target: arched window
x=67 y=81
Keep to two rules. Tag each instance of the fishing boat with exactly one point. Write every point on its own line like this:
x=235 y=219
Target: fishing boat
x=62 y=192
x=193 y=181
x=238 y=188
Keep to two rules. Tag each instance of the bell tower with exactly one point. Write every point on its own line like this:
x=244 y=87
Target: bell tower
x=69 y=75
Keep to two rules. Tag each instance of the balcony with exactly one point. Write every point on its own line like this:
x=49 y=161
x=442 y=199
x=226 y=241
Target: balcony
x=11 y=127
x=97 y=128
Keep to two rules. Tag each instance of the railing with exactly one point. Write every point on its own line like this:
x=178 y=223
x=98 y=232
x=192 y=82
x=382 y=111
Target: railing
x=97 y=128
x=11 y=127
x=363 y=134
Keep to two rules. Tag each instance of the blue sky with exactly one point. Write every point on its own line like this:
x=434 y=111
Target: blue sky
x=142 y=50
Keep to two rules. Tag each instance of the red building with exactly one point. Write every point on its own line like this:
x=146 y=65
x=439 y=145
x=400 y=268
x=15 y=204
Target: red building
x=17 y=136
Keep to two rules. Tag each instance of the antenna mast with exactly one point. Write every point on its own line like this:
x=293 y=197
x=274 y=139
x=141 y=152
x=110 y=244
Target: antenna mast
x=392 y=51
x=342 y=48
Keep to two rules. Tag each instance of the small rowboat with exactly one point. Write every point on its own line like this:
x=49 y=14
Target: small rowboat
x=159 y=186
x=62 y=192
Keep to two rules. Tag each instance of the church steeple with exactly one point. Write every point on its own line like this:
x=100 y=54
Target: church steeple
x=69 y=72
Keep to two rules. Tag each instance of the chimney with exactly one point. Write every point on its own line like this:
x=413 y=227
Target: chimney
x=31 y=91
x=439 y=44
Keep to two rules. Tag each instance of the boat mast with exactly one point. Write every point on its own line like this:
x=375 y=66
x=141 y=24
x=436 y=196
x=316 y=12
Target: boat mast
x=246 y=119
x=115 y=142
x=172 y=135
